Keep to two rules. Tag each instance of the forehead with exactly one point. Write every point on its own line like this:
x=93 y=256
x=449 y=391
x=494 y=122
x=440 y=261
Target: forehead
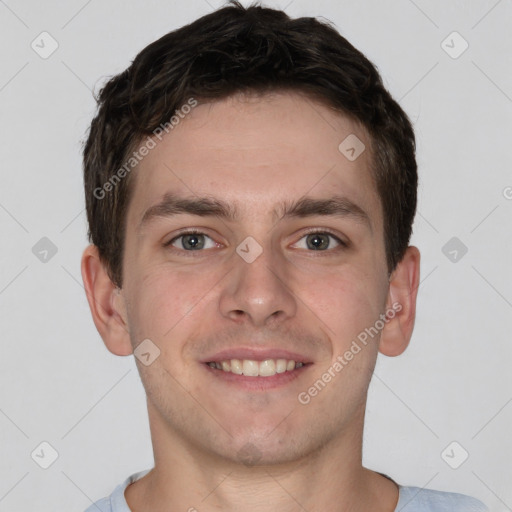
x=258 y=151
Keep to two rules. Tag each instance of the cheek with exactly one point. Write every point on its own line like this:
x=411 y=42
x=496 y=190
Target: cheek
x=163 y=302
x=347 y=301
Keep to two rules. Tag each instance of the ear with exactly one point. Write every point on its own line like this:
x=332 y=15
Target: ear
x=401 y=304
x=107 y=304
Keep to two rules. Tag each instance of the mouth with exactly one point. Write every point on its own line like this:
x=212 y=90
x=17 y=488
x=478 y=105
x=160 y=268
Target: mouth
x=254 y=368
x=251 y=370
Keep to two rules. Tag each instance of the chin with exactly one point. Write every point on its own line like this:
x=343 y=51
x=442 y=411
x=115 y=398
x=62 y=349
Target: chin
x=266 y=450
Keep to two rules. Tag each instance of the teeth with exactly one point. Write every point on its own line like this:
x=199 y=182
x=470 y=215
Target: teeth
x=281 y=365
x=236 y=366
x=252 y=368
x=267 y=368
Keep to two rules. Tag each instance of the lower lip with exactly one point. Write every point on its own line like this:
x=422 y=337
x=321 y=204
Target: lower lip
x=257 y=383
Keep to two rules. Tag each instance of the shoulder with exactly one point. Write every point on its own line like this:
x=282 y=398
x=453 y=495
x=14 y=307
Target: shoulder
x=102 y=505
x=116 y=502
x=416 y=499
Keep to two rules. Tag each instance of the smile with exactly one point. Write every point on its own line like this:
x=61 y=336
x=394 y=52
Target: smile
x=252 y=368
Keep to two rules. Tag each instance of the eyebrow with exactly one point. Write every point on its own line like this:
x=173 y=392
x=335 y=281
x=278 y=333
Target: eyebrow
x=336 y=206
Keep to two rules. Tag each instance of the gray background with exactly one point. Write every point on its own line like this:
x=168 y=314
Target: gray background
x=59 y=384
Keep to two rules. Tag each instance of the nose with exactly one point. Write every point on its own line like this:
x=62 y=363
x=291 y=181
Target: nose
x=258 y=292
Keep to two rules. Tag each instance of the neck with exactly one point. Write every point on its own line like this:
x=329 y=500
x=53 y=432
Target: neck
x=187 y=477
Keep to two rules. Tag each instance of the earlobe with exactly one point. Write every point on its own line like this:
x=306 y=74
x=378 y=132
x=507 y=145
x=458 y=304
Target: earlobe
x=401 y=304
x=106 y=303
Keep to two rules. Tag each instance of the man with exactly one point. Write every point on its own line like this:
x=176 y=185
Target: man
x=250 y=190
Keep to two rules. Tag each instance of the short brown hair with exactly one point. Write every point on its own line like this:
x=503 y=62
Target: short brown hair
x=239 y=49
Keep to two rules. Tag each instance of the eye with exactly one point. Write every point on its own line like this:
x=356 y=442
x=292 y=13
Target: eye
x=321 y=241
x=191 y=241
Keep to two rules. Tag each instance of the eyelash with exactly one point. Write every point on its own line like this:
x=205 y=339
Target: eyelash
x=342 y=244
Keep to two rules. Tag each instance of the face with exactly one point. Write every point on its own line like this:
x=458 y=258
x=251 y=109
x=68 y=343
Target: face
x=254 y=258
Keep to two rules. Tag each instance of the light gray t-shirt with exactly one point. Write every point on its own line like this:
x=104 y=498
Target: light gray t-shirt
x=411 y=499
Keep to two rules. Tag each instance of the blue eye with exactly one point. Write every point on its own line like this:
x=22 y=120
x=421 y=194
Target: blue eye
x=321 y=241
x=191 y=241
x=196 y=241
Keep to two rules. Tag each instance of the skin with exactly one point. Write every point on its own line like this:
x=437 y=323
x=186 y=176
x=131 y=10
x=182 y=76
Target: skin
x=219 y=445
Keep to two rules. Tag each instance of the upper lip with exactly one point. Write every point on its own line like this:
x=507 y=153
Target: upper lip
x=256 y=355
